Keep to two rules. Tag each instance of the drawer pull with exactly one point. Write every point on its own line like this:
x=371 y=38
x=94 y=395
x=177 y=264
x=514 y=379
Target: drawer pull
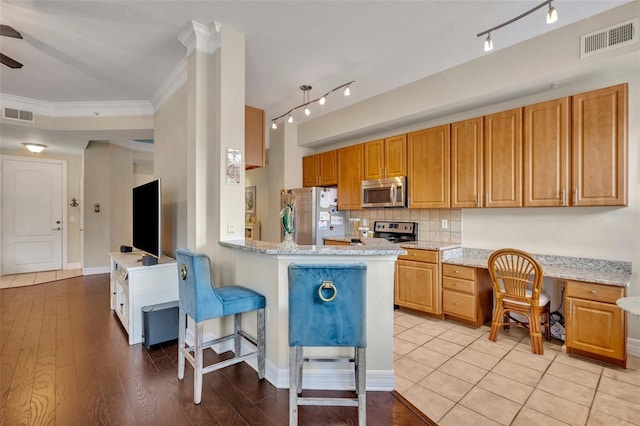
x=457 y=303
x=456 y=272
x=593 y=292
x=457 y=284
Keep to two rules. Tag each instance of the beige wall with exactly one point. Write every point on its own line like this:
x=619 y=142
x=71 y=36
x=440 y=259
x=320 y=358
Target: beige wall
x=96 y=226
x=170 y=164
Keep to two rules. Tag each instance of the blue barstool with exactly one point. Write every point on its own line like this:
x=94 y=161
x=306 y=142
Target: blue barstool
x=327 y=307
x=201 y=301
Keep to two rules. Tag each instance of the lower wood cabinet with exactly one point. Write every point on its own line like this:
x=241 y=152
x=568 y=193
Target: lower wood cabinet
x=417 y=282
x=467 y=294
x=595 y=326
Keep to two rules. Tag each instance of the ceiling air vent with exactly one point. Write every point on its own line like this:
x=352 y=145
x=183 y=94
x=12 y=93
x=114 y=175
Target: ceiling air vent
x=609 y=38
x=18 y=114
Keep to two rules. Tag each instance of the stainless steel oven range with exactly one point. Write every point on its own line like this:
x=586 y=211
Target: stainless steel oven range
x=396 y=232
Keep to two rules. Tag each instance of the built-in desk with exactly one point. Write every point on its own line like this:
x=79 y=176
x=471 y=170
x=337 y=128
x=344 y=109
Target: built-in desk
x=595 y=326
x=263 y=267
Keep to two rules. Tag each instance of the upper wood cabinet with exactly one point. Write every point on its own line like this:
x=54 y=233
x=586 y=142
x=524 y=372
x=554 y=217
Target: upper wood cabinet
x=428 y=157
x=385 y=158
x=599 y=147
x=546 y=154
x=253 y=137
x=320 y=169
x=503 y=159
x=466 y=163
x=350 y=173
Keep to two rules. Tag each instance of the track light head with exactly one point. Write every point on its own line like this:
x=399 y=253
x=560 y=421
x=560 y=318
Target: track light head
x=322 y=100
x=290 y=119
x=274 y=125
x=488 y=43
x=347 y=91
x=307 y=111
x=552 y=15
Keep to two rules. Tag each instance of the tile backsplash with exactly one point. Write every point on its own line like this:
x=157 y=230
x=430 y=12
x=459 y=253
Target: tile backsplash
x=429 y=221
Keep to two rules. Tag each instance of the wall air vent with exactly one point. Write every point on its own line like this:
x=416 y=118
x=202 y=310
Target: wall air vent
x=609 y=38
x=18 y=114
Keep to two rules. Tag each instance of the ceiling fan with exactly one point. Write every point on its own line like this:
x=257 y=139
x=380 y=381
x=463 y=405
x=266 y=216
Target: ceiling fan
x=7 y=31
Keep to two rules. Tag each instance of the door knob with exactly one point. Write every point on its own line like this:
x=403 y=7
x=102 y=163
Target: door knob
x=56 y=229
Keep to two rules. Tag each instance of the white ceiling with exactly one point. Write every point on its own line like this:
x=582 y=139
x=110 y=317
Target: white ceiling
x=92 y=50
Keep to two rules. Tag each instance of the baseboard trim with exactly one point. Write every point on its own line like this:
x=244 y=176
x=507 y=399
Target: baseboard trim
x=313 y=378
x=96 y=271
x=633 y=346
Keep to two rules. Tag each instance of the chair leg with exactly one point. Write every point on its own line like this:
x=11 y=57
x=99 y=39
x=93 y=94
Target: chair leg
x=547 y=323
x=535 y=332
x=197 y=372
x=361 y=384
x=506 y=320
x=293 y=386
x=237 y=337
x=299 y=367
x=496 y=321
x=261 y=354
x=182 y=327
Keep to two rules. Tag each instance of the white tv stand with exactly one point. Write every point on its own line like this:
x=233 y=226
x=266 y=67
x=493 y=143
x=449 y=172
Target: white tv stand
x=134 y=286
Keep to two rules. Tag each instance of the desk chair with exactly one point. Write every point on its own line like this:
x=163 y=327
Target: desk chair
x=327 y=307
x=517 y=287
x=201 y=301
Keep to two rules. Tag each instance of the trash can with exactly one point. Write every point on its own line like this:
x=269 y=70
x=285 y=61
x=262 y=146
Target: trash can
x=159 y=323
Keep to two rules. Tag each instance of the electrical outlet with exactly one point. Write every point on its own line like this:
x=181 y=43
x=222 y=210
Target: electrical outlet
x=445 y=223
x=231 y=229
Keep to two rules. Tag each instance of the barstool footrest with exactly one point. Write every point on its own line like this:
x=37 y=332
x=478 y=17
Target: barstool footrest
x=228 y=362
x=335 y=359
x=342 y=402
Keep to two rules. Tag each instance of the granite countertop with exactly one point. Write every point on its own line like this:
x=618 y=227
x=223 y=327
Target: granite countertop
x=374 y=248
x=611 y=272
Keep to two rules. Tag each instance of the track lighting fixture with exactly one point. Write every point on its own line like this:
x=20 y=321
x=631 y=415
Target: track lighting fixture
x=306 y=102
x=552 y=16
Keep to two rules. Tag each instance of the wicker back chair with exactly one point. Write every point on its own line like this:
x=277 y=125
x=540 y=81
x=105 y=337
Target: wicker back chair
x=517 y=285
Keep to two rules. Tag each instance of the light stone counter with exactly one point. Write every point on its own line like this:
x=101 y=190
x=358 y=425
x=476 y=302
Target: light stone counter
x=600 y=271
x=263 y=267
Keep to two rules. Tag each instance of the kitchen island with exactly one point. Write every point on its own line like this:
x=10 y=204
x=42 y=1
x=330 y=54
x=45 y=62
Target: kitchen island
x=263 y=267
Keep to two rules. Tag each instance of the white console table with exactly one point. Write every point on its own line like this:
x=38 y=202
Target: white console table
x=134 y=286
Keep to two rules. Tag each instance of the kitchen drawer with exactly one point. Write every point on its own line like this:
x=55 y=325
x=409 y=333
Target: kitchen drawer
x=457 y=271
x=430 y=256
x=596 y=292
x=465 y=286
x=458 y=304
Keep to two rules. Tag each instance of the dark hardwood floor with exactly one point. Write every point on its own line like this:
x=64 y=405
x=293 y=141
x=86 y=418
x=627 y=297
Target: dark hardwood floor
x=65 y=360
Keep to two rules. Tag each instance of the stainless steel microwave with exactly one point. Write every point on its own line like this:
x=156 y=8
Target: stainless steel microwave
x=388 y=192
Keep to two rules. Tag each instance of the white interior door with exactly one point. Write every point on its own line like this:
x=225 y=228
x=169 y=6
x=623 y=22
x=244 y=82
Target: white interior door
x=31 y=216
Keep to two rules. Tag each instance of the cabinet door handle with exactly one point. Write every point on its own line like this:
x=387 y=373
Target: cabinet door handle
x=575 y=196
x=563 y=194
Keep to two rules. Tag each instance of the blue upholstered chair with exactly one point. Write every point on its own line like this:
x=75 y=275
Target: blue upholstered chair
x=201 y=301
x=327 y=307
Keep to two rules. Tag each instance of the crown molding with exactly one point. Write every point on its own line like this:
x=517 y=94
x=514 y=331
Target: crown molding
x=200 y=37
x=173 y=82
x=77 y=109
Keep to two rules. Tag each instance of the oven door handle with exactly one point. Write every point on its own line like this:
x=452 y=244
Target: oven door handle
x=393 y=195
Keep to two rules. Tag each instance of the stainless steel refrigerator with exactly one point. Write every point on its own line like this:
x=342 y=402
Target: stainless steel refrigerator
x=316 y=214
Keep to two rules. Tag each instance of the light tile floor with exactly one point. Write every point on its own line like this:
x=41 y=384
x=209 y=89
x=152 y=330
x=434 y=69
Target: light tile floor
x=21 y=280
x=456 y=376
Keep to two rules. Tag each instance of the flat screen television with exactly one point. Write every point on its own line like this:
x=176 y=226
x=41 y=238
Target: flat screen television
x=147 y=218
